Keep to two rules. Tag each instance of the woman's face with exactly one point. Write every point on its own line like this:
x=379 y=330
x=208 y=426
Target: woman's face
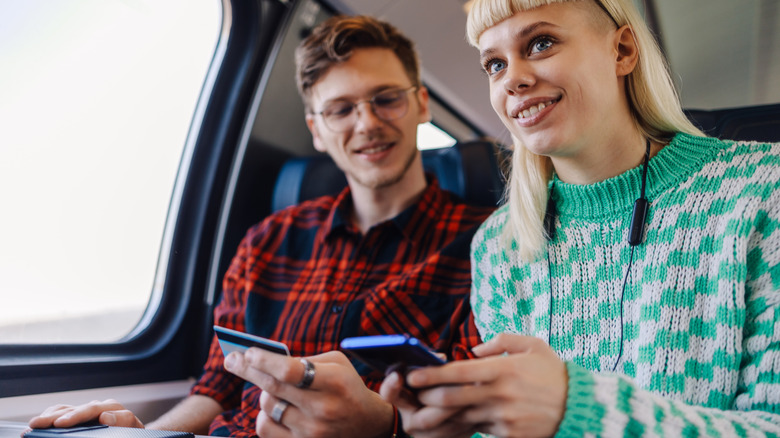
x=554 y=78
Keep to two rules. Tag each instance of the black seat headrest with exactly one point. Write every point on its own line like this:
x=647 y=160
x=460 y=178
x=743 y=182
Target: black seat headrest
x=759 y=123
x=470 y=170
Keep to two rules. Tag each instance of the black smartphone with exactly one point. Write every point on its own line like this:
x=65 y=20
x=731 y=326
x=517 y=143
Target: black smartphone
x=93 y=430
x=233 y=340
x=388 y=353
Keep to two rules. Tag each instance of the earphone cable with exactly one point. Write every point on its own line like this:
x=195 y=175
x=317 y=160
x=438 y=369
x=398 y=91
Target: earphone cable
x=622 y=295
x=549 y=225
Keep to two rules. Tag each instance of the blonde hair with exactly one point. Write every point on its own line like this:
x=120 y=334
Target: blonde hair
x=655 y=108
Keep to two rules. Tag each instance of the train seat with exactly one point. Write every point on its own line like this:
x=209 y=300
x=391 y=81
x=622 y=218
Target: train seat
x=759 y=123
x=471 y=170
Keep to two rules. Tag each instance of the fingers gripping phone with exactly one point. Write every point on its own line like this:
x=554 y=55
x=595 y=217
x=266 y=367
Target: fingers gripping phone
x=388 y=353
x=233 y=340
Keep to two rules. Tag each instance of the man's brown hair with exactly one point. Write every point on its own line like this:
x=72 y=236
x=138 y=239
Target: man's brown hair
x=333 y=41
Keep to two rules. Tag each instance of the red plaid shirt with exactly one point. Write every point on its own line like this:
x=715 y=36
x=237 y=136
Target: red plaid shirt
x=306 y=277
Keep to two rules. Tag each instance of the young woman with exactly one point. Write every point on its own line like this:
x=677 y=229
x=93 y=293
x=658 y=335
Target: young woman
x=630 y=284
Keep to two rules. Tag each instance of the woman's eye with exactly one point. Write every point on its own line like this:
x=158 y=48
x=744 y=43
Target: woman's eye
x=541 y=44
x=494 y=66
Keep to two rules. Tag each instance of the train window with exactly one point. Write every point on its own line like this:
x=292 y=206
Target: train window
x=97 y=99
x=430 y=136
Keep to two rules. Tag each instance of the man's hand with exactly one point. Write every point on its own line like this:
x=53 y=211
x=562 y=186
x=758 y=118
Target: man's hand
x=337 y=404
x=517 y=387
x=109 y=412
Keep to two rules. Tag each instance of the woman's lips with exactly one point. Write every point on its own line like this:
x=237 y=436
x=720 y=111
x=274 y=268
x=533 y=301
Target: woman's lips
x=530 y=113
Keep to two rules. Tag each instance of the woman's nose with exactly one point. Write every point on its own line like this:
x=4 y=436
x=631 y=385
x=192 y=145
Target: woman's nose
x=519 y=76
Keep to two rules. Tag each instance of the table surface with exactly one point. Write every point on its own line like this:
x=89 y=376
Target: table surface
x=12 y=429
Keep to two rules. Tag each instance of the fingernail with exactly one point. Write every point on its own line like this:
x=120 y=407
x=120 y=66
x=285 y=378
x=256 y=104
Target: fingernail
x=415 y=379
x=230 y=362
x=108 y=419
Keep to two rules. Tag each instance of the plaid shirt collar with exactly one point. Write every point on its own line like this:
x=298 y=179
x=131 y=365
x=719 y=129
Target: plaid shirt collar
x=411 y=223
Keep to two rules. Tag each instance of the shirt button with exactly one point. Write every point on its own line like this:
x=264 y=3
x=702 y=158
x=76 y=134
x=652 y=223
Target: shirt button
x=336 y=309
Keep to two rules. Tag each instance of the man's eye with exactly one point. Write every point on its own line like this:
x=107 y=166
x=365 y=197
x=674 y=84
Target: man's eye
x=340 y=110
x=494 y=66
x=388 y=99
x=541 y=44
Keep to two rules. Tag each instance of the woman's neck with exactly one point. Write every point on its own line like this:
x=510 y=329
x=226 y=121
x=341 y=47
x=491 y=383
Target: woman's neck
x=604 y=158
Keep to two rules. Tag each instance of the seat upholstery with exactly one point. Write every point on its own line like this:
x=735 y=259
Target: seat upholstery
x=760 y=123
x=470 y=170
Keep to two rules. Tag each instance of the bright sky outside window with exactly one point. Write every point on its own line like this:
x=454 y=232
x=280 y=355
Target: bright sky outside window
x=97 y=99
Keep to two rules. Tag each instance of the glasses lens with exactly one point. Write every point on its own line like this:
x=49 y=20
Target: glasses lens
x=390 y=105
x=339 y=115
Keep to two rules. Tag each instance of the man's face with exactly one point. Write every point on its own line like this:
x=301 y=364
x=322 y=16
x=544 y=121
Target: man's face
x=373 y=153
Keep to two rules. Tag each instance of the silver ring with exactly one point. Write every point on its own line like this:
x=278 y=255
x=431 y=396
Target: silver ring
x=308 y=374
x=278 y=411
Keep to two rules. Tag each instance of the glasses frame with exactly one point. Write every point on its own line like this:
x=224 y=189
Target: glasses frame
x=371 y=101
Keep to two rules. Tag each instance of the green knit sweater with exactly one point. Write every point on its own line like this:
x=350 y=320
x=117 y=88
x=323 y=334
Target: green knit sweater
x=701 y=312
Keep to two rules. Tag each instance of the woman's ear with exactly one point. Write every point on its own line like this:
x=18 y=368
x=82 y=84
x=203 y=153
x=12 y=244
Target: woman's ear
x=626 y=50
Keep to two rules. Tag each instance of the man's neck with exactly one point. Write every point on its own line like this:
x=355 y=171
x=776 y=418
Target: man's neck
x=372 y=206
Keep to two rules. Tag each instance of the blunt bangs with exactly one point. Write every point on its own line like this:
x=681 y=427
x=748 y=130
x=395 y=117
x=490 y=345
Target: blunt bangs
x=485 y=14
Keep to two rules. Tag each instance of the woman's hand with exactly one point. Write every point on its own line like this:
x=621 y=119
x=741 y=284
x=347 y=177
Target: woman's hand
x=517 y=387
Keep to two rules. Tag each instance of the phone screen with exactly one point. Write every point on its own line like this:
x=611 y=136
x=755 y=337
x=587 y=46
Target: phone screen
x=388 y=353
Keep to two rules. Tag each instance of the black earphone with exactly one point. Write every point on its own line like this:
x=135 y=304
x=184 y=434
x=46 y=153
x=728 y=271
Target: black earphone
x=638 y=216
x=635 y=238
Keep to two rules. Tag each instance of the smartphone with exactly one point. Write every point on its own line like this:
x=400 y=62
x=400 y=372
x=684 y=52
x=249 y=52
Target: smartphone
x=234 y=340
x=94 y=430
x=388 y=353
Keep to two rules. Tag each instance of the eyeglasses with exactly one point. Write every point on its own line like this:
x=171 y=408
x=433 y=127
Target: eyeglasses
x=341 y=116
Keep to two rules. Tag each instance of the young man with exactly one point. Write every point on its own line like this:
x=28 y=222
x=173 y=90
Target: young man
x=388 y=255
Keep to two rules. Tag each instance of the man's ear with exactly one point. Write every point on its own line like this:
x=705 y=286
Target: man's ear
x=627 y=51
x=423 y=100
x=315 y=134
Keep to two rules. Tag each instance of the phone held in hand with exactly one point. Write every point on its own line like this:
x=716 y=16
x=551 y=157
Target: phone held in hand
x=388 y=353
x=233 y=340
x=95 y=430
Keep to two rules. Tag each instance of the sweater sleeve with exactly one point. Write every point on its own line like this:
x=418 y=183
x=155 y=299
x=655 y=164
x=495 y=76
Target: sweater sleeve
x=610 y=405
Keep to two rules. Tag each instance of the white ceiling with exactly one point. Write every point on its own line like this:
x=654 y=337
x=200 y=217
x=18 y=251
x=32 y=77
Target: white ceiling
x=724 y=53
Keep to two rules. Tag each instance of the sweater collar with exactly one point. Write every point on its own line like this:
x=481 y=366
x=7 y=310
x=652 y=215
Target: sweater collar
x=674 y=163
